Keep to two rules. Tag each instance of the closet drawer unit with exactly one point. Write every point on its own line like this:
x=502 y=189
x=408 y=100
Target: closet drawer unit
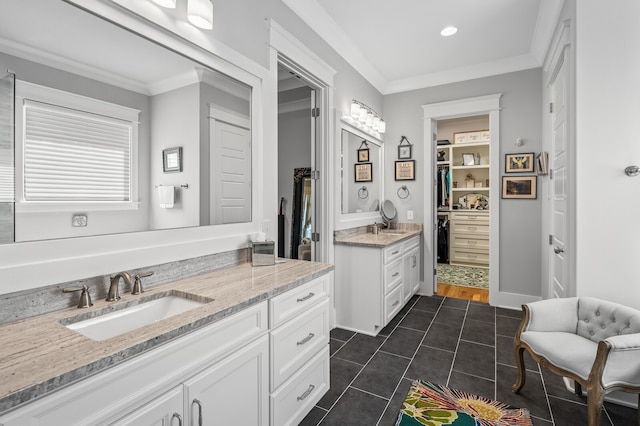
x=410 y=243
x=463 y=241
x=392 y=275
x=465 y=227
x=470 y=256
x=469 y=216
x=391 y=253
x=296 y=342
x=291 y=303
x=393 y=303
x=291 y=403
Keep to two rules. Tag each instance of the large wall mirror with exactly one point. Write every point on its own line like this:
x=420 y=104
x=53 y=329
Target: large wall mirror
x=98 y=111
x=362 y=175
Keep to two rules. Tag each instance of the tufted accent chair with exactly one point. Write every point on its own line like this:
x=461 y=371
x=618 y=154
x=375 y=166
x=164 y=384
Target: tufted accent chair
x=594 y=342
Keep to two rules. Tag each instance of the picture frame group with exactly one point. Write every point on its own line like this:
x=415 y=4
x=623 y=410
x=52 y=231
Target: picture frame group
x=405 y=170
x=519 y=163
x=363 y=172
x=522 y=187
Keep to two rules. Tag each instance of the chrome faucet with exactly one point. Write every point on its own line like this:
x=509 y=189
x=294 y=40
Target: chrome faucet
x=114 y=291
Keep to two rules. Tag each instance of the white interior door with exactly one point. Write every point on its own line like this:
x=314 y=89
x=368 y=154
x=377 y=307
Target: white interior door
x=558 y=242
x=230 y=175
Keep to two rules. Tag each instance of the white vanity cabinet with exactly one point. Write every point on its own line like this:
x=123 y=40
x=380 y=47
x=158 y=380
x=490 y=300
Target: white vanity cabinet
x=162 y=411
x=299 y=350
x=373 y=283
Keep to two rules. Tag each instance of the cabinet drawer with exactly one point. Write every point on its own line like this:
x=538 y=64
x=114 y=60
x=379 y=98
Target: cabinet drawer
x=291 y=303
x=391 y=253
x=410 y=243
x=296 y=342
x=393 y=303
x=293 y=401
x=466 y=242
x=469 y=216
x=392 y=275
x=468 y=256
x=469 y=227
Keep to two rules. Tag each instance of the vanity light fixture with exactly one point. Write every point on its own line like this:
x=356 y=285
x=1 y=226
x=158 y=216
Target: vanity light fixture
x=169 y=4
x=200 y=13
x=448 y=31
x=365 y=118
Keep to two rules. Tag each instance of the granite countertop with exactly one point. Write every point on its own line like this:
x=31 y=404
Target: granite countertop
x=380 y=240
x=40 y=354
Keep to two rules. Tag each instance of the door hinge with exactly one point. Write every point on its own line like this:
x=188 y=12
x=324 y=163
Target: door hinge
x=435 y=271
x=315 y=236
x=550 y=239
x=315 y=112
x=551 y=107
x=315 y=174
x=550 y=173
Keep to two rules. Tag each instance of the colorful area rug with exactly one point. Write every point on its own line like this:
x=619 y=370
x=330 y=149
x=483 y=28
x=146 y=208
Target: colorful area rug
x=434 y=405
x=463 y=275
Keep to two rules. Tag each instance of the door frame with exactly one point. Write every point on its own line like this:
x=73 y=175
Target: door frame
x=469 y=107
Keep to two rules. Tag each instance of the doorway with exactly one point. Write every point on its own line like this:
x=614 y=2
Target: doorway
x=463 y=165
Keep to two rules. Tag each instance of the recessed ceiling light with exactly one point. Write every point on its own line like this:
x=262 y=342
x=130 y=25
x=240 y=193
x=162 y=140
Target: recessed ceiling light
x=448 y=31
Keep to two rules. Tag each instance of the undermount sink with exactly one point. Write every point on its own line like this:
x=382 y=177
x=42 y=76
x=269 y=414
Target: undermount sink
x=115 y=320
x=393 y=231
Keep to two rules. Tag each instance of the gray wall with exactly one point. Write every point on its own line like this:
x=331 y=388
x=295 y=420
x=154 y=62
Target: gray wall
x=520 y=117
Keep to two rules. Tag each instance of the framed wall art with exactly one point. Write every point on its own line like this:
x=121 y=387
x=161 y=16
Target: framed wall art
x=405 y=170
x=404 y=151
x=363 y=152
x=363 y=172
x=519 y=163
x=172 y=160
x=523 y=187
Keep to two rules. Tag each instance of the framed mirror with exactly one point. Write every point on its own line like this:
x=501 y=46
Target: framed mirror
x=93 y=73
x=361 y=186
x=301 y=212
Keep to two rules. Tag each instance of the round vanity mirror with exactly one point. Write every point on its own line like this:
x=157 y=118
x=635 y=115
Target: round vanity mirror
x=388 y=211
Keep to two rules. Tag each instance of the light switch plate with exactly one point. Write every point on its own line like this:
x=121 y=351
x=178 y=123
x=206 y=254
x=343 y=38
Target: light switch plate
x=79 y=220
x=409 y=214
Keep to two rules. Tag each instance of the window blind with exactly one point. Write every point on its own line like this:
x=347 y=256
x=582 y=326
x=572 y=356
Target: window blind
x=6 y=139
x=72 y=155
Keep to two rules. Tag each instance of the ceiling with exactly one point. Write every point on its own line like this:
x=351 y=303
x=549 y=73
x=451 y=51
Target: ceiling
x=396 y=44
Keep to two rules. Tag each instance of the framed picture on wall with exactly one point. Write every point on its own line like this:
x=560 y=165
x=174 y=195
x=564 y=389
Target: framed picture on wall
x=519 y=163
x=405 y=170
x=172 y=160
x=363 y=172
x=524 y=187
x=363 y=155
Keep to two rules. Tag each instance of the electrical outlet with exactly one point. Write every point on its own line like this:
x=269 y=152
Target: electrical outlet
x=409 y=214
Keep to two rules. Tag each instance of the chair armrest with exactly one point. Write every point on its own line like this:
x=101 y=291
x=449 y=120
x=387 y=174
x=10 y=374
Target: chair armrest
x=554 y=315
x=624 y=342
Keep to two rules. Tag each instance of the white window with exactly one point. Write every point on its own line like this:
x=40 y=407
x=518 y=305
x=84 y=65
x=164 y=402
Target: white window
x=75 y=151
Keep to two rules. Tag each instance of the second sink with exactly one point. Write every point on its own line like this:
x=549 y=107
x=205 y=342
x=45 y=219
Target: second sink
x=107 y=323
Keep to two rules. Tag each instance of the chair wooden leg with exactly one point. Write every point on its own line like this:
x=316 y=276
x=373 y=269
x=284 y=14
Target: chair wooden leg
x=595 y=398
x=577 y=388
x=519 y=352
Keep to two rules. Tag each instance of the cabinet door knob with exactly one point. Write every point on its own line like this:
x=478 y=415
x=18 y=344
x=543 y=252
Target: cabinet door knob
x=558 y=250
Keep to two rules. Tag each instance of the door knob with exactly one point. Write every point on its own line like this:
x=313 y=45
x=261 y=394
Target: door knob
x=558 y=250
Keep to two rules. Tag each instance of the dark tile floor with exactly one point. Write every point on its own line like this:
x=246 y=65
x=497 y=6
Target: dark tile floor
x=465 y=345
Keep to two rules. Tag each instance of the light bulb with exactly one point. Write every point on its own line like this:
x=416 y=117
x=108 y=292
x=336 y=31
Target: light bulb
x=382 y=127
x=200 y=13
x=355 y=110
x=369 y=121
x=363 y=115
x=169 y=4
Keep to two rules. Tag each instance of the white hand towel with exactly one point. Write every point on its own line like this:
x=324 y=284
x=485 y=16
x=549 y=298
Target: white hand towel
x=166 y=196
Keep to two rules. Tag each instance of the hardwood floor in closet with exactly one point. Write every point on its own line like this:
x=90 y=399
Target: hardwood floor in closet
x=462 y=292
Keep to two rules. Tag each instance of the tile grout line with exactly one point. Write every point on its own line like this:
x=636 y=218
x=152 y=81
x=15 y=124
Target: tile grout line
x=455 y=353
x=424 y=336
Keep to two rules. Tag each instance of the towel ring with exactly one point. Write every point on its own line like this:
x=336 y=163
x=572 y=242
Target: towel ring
x=403 y=192
x=363 y=193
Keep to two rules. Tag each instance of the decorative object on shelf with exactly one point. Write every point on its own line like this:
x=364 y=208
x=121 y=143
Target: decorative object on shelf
x=474 y=201
x=403 y=192
x=172 y=159
x=455 y=183
x=363 y=193
x=468 y=159
x=477 y=136
x=518 y=163
x=404 y=151
x=542 y=161
x=365 y=118
x=364 y=172
x=478 y=159
x=443 y=142
x=363 y=153
x=478 y=185
x=487 y=182
x=405 y=170
x=469 y=181
x=441 y=155
x=632 y=171
x=524 y=187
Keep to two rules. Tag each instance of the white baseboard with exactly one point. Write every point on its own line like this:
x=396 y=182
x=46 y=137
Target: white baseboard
x=621 y=398
x=510 y=300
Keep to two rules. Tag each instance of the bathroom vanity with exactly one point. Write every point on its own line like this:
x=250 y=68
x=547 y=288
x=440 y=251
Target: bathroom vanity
x=254 y=353
x=376 y=275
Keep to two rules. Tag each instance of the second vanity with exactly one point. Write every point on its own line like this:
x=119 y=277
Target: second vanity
x=375 y=275
x=255 y=353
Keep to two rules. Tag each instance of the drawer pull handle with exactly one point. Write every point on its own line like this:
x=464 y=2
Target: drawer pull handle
x=176 y=416
x=395 y=275
x=307 y=297
x=305 y=340
x=472 y=243
x=395 y=252
x=396 y=303
x=471 y=228
x=306 y=393
x=471 y=256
